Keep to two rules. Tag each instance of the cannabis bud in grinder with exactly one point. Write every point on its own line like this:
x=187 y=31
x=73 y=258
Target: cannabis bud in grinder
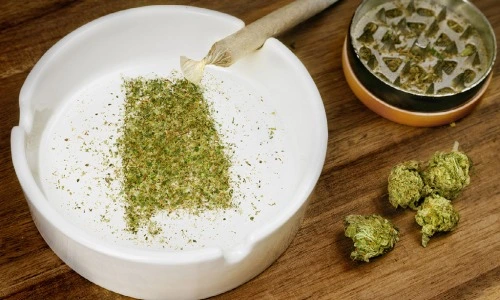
x=436 y=214
x=405 y=185
x=447 y=173
x=372 y=235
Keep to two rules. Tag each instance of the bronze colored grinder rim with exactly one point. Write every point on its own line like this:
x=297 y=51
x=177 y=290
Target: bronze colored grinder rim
x=407 y=100
x=405 y=117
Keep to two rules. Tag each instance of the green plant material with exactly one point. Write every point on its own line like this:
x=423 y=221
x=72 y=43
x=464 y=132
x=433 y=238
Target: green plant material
x=469 y=76
x=390 y=40
x=468 y=50
x=393 y=63
x=402 y=26
x=444 y=41
x=436 y=214
x=372 y=236
x=433 y=29
x=454 y=26
x=393 y=13
x=410 y=9
x=447 y=173
x=382 y=76
x=405 y=186
x=430 y=89
x=368 y=31
x=371 y=27
x=424 y=12
x=416 y=27
x=442 y=14
x=451 y=50
x=445 y=90
x=365 y=53
x=449 y=66
x=467 y=33
x=372 y=62
x=172 y=156
x=417 y=77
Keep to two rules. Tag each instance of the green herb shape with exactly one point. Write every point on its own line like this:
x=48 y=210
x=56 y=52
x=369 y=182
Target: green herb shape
x=454 y=26
x=405 y=185
x=365 y=53
x=436 y=214
x=172 y=155
x=372 y=236
x=447 y=173
x=469 y=50
x=416 y=27
x=424 y=12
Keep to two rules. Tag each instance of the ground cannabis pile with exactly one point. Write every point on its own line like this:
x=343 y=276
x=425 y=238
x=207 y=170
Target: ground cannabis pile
x=172 y=156
x=372 y=236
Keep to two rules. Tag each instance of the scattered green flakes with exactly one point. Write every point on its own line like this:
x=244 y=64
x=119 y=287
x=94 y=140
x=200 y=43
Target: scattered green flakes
x=405 y=185
x=105 y=219
x=272 y=131
x=372 y=236
x=447 y=173
x=417 y=77
x=172 y=155
x=436 y=214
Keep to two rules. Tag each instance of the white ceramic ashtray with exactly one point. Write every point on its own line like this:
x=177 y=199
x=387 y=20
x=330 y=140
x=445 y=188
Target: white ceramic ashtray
x=268 y=109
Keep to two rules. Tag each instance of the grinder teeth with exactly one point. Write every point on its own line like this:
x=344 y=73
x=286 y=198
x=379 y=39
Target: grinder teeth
x=421 y=47
x=433 y=29
x=410 y=9
x=442 y=15
x=467 y=33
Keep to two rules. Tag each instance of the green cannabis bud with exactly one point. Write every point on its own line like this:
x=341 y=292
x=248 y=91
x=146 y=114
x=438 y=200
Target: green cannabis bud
x=372 y=236
x=405 y=185
x=436 y=214
x=447 y=173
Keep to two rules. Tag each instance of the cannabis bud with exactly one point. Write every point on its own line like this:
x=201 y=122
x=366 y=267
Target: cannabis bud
x=447 y=173
x=372 y=236
x=436 y=214
x=405 y=185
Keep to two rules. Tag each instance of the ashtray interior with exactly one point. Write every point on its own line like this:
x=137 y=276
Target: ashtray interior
x=267 y=105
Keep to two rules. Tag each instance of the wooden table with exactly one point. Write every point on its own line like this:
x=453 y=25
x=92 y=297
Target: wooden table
x=362 y=147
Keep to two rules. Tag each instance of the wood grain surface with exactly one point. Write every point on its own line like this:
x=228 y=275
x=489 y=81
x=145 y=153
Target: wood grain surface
x=362 y=147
